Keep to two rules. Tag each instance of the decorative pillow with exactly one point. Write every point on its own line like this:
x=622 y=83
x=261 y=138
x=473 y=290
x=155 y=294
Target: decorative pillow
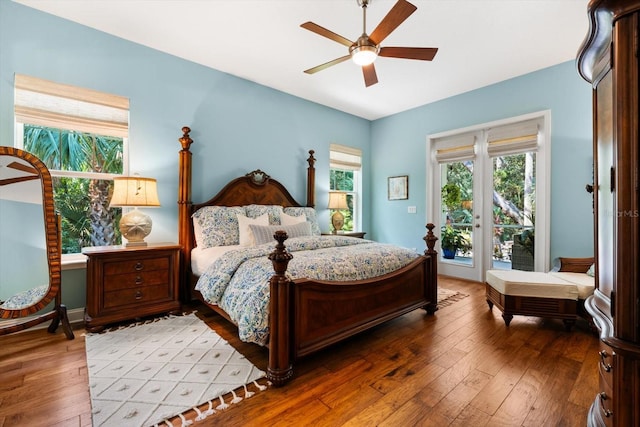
x=264 y=234
x=274 y=211
x=292 y=220
x=310 y=214
x=246 y=235
x=217 y=226
x=592 y=270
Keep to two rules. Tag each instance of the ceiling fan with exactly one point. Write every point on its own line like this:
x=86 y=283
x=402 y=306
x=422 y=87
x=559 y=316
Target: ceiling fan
x=13 y=179
x=367 y=48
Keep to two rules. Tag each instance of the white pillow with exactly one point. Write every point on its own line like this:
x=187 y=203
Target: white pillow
x=292 y=220
x=265 y=234
x=309 y=213
x=246 y=235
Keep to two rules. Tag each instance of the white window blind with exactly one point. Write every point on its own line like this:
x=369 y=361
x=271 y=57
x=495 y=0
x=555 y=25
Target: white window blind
x=455 y=148
x=345 y=158
x=514 y=138
x=46 y=103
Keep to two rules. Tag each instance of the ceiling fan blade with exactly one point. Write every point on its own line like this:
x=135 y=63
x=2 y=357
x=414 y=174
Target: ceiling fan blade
x=370 y=76
x=396 y=16
x=327 y=64
x=326 y=33
x=421 y=53
x=8 y=181
x=22 y=167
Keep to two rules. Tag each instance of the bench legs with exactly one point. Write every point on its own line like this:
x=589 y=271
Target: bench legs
x=553 y=308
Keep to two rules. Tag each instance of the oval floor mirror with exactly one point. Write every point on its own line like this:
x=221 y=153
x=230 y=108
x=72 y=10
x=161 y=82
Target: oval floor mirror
x=30 y=249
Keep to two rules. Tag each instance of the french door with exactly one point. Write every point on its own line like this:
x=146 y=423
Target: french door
x=488 y=192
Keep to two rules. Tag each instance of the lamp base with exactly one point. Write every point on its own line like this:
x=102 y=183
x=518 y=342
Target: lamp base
x=337 y=220
x=136 y=244
x=135 y=226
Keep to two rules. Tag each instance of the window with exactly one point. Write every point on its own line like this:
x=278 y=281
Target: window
x=345 y=166
x=81 y=135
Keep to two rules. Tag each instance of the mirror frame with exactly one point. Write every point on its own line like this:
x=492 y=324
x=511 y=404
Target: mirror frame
x=54 y=255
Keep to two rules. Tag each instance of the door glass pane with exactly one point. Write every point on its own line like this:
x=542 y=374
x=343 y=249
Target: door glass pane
x=514 y=211
x=456 y=235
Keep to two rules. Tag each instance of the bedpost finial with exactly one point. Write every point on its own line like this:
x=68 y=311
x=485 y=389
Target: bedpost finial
x=280 y=257
x=311 y=159
x=185 y=141
x=431 y=239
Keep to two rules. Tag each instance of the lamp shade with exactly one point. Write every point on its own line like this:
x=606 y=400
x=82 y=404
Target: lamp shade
x=338 y=200
x=134 y=191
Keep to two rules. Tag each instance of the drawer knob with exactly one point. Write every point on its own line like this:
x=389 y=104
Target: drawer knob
x=606 y=412
x=603 y=356
x=139 y=266
x=138 y=295
x=139 y=280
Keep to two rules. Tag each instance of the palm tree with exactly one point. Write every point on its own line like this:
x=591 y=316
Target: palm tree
x=83 y=203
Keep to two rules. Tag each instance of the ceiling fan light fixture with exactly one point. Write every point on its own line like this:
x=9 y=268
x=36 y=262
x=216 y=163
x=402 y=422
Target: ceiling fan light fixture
x=364 y=55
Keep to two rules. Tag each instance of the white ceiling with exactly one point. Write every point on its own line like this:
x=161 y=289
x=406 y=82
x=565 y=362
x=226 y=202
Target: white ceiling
x=480 y=42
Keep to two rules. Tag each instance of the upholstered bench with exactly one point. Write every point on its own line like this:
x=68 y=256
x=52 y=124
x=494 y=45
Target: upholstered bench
x=556 y=294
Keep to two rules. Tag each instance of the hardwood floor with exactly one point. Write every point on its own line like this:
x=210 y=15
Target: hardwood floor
x=460 y=367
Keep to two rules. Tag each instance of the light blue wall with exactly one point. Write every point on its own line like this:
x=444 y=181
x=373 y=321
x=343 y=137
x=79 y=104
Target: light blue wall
x=398 y=147
x=239 y=126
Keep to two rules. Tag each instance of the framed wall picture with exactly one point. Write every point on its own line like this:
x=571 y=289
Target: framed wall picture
x=398 y=187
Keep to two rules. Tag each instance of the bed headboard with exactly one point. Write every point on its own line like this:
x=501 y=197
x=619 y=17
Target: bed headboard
x=255 y=187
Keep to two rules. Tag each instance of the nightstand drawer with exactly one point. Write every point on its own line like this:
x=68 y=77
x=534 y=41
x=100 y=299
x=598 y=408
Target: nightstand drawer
x=132 y=280
x=136 y=265
x=143 y=294
x=126 y=283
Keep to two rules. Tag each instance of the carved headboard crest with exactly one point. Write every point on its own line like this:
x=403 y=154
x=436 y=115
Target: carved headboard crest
x=258 y=177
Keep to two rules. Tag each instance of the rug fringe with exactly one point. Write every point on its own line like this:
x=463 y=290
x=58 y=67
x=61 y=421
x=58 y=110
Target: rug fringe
x=140 y=322
x=451 y=299
x=202 y=414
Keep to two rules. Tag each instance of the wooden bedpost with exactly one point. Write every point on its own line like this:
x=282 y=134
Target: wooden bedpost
x=184 y=213
x=432 y=267
x=311 y=181
x=280 y=368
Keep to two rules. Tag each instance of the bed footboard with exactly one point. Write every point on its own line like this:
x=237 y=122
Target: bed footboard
x=309 y=315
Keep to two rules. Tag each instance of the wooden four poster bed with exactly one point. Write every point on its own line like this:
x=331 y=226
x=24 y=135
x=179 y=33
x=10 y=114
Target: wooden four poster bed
x=305 y=315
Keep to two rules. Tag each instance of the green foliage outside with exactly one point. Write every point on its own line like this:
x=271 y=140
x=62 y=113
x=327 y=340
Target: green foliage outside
x=341 y=180
x=508 y=181
x=455 y=239
x=513 y=200
x=83 y=203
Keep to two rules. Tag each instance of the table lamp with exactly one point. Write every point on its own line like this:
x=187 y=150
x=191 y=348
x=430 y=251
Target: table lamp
x=337 y=202
x=135 y=191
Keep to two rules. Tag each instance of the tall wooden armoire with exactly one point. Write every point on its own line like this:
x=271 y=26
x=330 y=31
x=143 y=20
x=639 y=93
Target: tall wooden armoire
x=608 y=59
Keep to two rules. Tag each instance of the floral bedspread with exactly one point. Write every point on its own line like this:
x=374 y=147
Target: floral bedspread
x=238 y=282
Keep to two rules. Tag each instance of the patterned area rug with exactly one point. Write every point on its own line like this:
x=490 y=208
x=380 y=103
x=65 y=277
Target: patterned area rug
x=447 y=297
x=148 y=373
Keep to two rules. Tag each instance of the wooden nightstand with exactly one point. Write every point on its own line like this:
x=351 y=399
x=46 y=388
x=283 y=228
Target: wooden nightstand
x=128 y=283
x=359 y=234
